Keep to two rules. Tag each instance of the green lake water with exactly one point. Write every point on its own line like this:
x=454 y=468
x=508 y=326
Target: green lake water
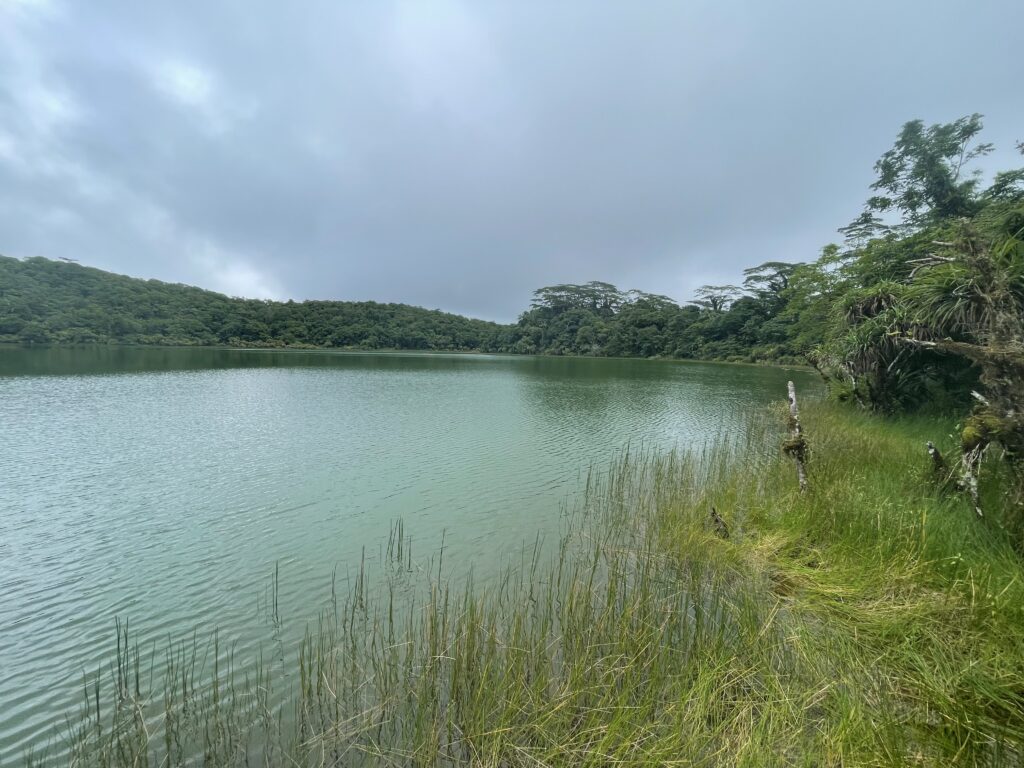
x=163 y=485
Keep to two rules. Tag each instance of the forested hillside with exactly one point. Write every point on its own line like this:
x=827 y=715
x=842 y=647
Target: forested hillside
x=43 y=301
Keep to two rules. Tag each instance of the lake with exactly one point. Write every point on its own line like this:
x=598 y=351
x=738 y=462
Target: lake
x=164 y=486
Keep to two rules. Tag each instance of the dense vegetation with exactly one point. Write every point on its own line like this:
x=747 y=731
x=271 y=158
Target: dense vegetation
x=43 y=301
x=935 y=254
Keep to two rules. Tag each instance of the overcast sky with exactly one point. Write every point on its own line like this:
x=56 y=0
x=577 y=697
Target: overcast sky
x=458 y=155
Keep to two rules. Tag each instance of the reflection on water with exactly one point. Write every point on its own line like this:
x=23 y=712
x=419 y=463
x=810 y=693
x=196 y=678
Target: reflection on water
x=164 y=484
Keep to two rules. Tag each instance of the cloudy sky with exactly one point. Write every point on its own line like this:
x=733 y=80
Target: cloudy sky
x=460 y=154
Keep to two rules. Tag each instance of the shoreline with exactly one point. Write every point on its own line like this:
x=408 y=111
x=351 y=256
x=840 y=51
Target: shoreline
x=417 y=352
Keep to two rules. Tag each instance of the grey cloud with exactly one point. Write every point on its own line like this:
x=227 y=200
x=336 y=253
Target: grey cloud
x=459 y=155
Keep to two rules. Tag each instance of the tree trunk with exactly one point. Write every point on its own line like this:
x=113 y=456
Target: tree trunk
x=796 y=446
x=969 y=482
x=938 y=463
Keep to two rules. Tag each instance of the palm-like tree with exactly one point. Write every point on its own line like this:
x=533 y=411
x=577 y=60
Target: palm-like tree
x=967 y=299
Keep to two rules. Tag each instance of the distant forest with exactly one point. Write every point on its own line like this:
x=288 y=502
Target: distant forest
x=934 y=261
x=57 y=302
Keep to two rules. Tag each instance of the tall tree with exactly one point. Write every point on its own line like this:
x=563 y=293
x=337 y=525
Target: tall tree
x=716 y=298
x=924 y=177
x=770 y=278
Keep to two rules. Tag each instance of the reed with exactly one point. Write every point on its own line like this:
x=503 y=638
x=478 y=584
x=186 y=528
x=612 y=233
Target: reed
x=870 y=620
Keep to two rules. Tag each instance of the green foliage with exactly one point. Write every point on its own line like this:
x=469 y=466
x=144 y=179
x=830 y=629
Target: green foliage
x=950 y=270
x=43 y=301
x=922 y=176
x=933 y=310
x=599 y=319
x=723 y=323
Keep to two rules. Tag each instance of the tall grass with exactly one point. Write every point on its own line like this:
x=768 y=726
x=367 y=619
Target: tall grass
x=870 y=621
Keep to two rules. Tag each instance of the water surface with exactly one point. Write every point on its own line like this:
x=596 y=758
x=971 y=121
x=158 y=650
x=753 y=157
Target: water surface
x=163 y=485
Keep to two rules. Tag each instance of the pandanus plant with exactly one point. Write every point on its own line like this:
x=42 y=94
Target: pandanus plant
x=967 y=299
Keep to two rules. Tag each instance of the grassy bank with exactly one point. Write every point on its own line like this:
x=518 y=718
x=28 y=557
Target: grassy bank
x=870 y=621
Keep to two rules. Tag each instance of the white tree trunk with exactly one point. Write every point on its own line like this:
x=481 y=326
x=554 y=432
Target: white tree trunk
x=796 y=446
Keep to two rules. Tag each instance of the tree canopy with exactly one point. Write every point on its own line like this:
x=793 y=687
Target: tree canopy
x=43 y=301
